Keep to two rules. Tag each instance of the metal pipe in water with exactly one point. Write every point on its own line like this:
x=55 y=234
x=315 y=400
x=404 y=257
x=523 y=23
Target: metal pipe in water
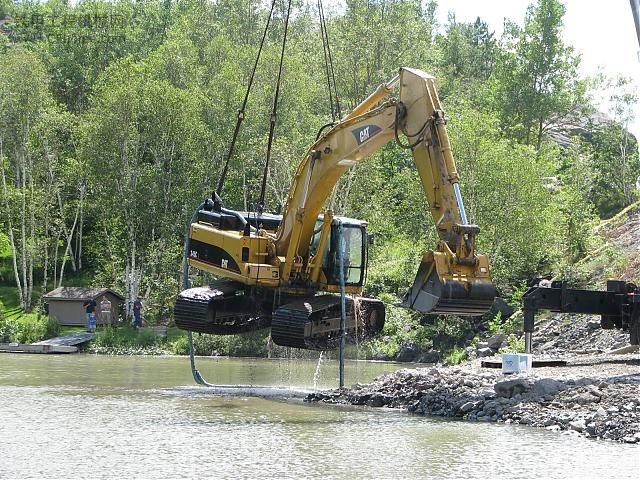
x=463 y=214
x=185 y=285
x=343 y=307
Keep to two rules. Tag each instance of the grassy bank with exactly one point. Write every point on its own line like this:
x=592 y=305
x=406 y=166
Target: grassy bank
x=22 y=327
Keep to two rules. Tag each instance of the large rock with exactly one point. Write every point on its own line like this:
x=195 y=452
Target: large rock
x=497 y=341
x=485 y=352
x=510 y=388
x=547 y=386
x=432 y=356
x=467 y=407
x=408 y=353
x=578 y=425
x=500 y=306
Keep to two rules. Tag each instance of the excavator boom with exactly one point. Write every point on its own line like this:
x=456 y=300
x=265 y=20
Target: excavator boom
x=453 y=279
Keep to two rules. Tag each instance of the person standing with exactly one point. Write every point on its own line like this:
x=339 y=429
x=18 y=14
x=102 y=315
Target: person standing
x=90 y=308
x=105 y=311
x=137 y=309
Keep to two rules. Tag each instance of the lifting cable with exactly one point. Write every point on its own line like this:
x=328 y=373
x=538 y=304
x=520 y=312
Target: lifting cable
x=274 y=115
x=328 y=62
x=242 y=108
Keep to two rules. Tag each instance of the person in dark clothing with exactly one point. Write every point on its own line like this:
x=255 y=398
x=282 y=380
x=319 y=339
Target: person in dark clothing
x=137 y=308
x=90 y=308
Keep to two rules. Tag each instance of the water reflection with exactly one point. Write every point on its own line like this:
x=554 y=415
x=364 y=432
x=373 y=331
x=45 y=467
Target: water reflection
x=98 y=417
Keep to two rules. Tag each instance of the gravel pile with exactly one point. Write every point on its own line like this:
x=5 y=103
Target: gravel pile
x=575 y=334
x=597 y=395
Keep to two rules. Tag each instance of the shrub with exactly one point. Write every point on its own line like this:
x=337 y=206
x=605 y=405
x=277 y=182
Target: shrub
x=145 y=338
x=8 y=329
x=508 y=326
x=515 y=344
x=52 y=328
x=31 y=329
x=252 y=344
x=108 y=338
x=210 y=344
x=180 y=346
x=455 y=356
x=126 y=341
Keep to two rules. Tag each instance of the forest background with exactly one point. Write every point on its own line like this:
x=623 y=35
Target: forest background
x=115 y=118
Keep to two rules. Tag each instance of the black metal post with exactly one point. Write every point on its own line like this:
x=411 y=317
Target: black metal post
x=529 y=316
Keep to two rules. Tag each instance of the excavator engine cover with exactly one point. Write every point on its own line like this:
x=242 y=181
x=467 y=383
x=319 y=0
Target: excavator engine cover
x=466 y=290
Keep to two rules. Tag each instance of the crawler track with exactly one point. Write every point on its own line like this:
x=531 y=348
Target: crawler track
x=313 y=323
x=220 y=308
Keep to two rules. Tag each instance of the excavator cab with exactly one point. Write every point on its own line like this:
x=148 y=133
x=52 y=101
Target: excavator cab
x=354 y=235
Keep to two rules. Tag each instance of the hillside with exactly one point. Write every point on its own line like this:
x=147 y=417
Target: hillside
x=617 y=258
x=622 y=232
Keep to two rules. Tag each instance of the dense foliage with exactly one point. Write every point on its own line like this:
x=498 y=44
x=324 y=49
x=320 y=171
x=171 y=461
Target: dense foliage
x=115 y=117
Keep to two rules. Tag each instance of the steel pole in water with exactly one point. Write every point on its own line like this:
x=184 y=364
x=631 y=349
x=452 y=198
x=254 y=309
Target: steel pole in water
x=343 y=308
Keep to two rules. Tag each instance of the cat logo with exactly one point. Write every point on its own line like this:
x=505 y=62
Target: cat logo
x=224 y=263
x=363 y=134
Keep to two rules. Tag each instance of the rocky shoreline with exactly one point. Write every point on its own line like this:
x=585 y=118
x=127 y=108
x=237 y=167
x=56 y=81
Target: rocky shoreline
x=596 y=395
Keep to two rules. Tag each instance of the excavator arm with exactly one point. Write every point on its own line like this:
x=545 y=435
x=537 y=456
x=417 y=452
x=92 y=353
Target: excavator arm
x=451 y=279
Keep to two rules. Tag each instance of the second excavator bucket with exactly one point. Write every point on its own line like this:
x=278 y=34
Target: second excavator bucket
x=443 y=286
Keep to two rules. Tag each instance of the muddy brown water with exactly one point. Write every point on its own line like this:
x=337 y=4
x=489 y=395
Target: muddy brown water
x=87 y=416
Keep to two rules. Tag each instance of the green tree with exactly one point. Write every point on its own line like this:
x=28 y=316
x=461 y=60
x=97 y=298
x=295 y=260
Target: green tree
x=376 y=38
x=143 y=143
x=616 y=163
x=5 y=6
x=537 y=82
x=501 y=183
x=468 y=50
x=25 y=106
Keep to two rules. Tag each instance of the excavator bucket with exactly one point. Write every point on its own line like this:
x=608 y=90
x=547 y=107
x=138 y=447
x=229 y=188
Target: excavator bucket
x=443 y=288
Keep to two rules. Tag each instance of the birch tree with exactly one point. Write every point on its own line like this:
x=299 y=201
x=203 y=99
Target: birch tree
x=143 y=144
x=24 y=99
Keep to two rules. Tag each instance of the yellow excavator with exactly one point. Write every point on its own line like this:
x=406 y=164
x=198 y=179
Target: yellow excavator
x=283 y=271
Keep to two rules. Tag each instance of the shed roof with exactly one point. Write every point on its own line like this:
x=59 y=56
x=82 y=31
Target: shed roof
x=78 y=293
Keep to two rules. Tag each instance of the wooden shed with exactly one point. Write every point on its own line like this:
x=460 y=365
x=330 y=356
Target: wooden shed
x=65 y=304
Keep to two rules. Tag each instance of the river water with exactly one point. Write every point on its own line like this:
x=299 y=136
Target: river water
x=87 y=416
